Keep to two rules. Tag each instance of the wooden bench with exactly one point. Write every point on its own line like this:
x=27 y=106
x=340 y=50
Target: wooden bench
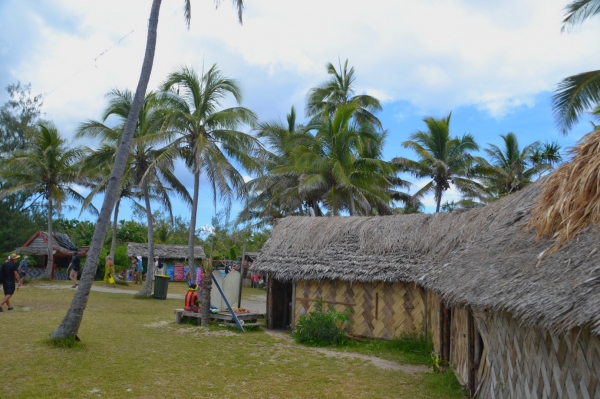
x=246 y=319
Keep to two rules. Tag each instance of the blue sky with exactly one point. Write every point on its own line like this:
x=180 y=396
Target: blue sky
x=493 y=64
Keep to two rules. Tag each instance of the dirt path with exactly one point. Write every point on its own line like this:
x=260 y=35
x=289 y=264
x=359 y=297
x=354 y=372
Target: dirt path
x=377 y=362
x=256 y=303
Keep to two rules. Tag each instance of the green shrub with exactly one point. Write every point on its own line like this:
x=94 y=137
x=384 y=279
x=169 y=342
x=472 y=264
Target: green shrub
x=322 y=328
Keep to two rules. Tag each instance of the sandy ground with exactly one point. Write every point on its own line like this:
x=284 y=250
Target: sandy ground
x=256 y=303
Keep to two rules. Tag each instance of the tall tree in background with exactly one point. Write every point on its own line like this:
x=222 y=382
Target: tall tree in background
x=515 y=168
x=333 y=170
x=207 y=135
x=338 y=90
x=49 y=167
x=18 y=116
x=444 y=159
x=578 y=93
x=272 y=196
x=70 y=324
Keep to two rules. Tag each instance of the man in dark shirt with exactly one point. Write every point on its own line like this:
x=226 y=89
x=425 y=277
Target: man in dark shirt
x=10 y=275
x=75 y=266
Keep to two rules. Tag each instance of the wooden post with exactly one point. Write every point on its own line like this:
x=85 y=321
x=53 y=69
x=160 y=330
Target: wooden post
x=242 y=274
x=471 y=358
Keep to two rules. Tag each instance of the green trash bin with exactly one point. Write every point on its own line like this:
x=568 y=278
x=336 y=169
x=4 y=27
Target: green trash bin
x=161 y=284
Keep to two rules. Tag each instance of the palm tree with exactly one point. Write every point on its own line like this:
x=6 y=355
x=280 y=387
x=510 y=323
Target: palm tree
x=514 y=168
x=49 y=167
x=150 y=169
x=273 y=196
x=444 y=159
x=339 y=89
x=70 y=324
x=332 y=169
x=578 y=93
x=207 y=137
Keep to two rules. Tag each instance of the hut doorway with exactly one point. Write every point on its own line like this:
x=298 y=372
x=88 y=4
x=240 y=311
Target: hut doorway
x=279 y=304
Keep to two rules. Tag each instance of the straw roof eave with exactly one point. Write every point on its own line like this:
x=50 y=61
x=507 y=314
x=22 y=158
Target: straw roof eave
x=165 y=251
x=484 y=258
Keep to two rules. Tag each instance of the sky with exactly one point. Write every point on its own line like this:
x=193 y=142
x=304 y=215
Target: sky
x=493 y=64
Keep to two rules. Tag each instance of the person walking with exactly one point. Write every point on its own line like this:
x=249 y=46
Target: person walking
x=139 y=270
x=109 y=271
x=23 y=267
x=10 y=274
x=75 y=266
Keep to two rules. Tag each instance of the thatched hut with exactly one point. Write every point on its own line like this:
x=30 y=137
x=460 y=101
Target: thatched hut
x=62 y=246
x=514 y=319
x=165 y=251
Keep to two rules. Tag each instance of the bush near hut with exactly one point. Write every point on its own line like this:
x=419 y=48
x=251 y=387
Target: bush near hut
x=322 y=328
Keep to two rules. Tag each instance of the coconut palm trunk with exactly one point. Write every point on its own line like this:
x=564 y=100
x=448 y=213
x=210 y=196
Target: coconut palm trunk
x=69 y=326
x=192 y=232
x=206 y=289
x=49 y=264
x=113 y=243
x=147 y=289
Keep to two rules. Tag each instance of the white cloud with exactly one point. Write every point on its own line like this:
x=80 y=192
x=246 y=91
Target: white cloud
x=429 y=56
x=437 y=55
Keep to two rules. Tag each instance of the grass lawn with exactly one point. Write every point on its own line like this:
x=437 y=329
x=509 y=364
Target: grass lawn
x=133 y=349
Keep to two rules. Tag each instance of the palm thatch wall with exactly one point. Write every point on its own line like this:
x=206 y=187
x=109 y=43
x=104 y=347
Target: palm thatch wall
x=165 y=251
x=382 y=310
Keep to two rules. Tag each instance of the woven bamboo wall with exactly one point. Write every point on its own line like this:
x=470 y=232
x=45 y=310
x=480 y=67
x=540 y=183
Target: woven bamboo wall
x=381 y=310
x=526 y=362
x=433 y=320
x=459 y=345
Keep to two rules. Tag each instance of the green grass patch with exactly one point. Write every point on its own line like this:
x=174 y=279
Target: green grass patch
x=134 y=349
x=63 y=343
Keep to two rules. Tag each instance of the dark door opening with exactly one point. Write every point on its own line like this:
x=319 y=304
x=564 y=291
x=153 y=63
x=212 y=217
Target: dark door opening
x=279 y=300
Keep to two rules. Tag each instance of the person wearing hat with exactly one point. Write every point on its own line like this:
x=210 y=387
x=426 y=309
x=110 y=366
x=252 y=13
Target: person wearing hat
x=9 y=276
x=75 y=266
x=191 y=299
x=23 y=267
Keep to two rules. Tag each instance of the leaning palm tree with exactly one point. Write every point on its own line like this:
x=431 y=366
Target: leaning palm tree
x=47 y=166
x=444 y=159
x=339 y=89
x=207 y=136
x=576 y=94
x=70 y=324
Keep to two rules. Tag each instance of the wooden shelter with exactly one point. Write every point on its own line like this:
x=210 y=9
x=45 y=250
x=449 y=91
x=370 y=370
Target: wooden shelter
x=63 y=249
x=165 y=251
x=515 y=320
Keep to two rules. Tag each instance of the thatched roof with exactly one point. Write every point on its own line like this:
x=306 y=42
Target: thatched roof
x=485 y=258
x=37 y=245
x=165 y=251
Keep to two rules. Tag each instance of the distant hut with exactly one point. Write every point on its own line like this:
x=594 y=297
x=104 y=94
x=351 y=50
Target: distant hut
x=515 y=320
x=165 y=251
x=63 y=248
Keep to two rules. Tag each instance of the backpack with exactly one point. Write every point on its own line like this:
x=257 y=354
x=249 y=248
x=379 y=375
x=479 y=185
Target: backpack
x=160 y=264
x=2 y=274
